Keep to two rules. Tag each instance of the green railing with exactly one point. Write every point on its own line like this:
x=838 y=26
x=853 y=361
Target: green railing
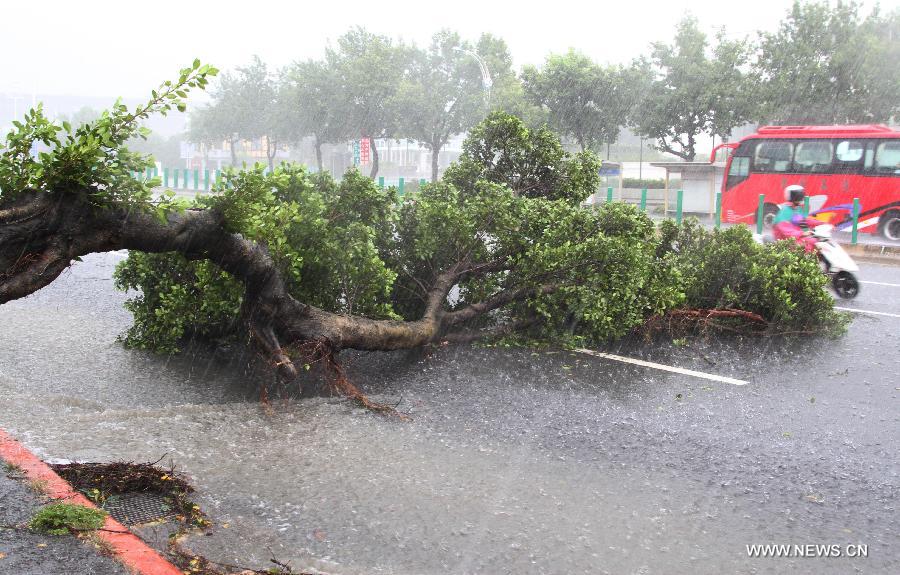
x=193 y=179
x=197 y=180
x=760 y=211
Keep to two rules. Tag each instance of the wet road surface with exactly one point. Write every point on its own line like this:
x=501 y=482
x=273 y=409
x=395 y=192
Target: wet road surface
x=516 y=461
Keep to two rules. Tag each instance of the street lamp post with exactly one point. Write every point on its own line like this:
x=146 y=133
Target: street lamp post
x=486 y=81
x=641 y=161
x=15 y=100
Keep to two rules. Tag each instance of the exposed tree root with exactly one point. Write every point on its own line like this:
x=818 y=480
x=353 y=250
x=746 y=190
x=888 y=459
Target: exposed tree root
x=337 y=383
x=718 y=314
x=703 y=320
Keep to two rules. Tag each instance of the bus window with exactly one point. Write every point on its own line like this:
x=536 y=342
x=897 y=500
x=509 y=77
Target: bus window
x=870 y=157
x=848 y=155
x=887 y=158
x=813 y=157
x=738 y=171
x=773 y=156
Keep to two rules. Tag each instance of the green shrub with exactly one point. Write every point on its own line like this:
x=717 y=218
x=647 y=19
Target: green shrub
x=63 y=518
x=728 y=269
x=657 y=184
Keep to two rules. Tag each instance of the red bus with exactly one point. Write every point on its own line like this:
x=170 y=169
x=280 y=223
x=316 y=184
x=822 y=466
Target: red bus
x=834 y=163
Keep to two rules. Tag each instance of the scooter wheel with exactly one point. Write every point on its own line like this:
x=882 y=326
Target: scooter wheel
x=846 y=285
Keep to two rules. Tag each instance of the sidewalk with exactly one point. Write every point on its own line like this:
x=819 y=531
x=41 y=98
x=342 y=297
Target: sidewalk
x=24 y=552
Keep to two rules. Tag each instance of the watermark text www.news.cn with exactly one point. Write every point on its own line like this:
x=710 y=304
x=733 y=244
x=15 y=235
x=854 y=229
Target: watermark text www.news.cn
x=807 y=550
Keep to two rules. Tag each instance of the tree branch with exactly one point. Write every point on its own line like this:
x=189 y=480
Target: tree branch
x=499 y=300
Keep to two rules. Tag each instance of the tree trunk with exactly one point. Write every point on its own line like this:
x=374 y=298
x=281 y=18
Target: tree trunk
x=689 y=152
x=374 y=151
x=318 y=146
x=435 y=158
x=233 y=155
x=271 y=149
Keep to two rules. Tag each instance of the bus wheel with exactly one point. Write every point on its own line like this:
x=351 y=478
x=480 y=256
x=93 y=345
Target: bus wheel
x=769 y=213
x=890 y=225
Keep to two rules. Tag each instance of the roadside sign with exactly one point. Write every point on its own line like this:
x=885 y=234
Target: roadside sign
x=610 y=169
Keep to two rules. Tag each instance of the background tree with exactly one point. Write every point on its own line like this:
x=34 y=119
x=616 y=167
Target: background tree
x=507 y=92
x=217 y=120
x=827 y=65
x=312 y=104
x=207 y=130
x=243 y=107
x=692 y=93
x=254 y=99
x=166 y=151
x=584 y=101
x=531 y=162
x=369 y=69
x=442 y=95
x=84 y=115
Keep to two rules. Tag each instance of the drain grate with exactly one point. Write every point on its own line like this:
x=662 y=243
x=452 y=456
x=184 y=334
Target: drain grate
x=138 y=507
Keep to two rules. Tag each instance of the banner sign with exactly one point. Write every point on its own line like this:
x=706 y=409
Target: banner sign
x=364 y=150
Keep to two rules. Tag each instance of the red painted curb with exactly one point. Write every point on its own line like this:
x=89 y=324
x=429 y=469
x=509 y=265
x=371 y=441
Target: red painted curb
x=127 y=547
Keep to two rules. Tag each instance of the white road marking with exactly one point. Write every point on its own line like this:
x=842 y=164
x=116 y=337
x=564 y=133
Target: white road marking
x=662 y=367
x=867 y=311
x=880 y=284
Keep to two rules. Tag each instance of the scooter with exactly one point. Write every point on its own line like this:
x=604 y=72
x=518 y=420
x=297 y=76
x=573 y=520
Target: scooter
x=835 y=261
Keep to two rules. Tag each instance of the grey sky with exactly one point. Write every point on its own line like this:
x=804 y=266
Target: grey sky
x=126 y=48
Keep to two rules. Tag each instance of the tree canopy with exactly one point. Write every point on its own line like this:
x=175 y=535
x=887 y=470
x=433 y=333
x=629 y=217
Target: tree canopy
x=369 y=69
x=312 y=106
x=824 y=64
x=244 y=106
x=828 y=65
x=586 y=102
x=690 y=91
x=441 y=95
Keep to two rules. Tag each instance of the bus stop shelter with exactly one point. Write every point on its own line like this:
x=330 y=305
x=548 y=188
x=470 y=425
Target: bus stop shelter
x=700 y=182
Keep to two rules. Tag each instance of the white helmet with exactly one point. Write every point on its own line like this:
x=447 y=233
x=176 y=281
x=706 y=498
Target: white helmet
x=794 y=193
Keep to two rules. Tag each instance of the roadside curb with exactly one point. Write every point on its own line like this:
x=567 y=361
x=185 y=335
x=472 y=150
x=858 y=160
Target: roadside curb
x=127 y=547
x=873 y=252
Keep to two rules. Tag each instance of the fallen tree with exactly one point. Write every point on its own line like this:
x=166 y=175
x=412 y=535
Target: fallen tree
x=306 y=266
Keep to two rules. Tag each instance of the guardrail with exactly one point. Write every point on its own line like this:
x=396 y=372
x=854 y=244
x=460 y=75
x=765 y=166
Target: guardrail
x=760 y=212
x=192 y=179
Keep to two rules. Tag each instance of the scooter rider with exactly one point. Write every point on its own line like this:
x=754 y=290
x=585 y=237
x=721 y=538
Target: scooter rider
x=790 y=219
